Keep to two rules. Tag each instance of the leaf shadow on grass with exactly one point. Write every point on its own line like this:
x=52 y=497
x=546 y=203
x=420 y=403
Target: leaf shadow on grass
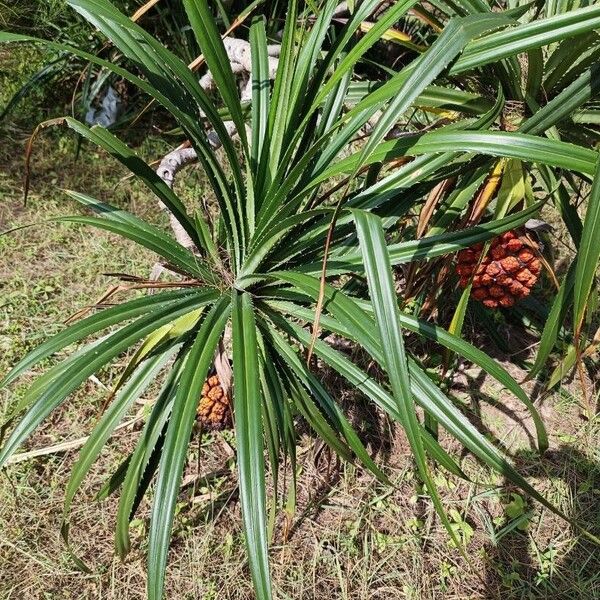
x=474 y=412
x=560 y=564
x=324 y=469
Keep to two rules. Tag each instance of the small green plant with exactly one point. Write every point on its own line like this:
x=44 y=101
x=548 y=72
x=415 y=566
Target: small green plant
x=517 y=512
x=462 y=530
x=306 y=230
x=447 y=572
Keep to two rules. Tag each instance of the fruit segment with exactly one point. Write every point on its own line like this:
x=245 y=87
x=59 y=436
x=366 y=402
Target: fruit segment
x=505 y=275
x=214 y=411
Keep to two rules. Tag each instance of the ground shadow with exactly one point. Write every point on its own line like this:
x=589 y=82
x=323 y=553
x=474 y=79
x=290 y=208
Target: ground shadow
x=565 y=566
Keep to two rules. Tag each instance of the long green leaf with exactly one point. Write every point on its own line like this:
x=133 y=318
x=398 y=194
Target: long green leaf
x=88 y=363
x=502 y=144
x=94 y=323
x=456 y=34
x=147 y=235
x=512 y=41
x=357 y=51
x=175 y=81
x=135 y=469
x=210 y=42
x=131 y=391
x=588 y=254
x=119 y=150
x=359 y=324
x=260 y=97
x=250 y=444
x=279 y=112
x=378 y=269
x=554 y=322
x=585 y=87
x=164 y=70
x=177 y=439
x=34 y=391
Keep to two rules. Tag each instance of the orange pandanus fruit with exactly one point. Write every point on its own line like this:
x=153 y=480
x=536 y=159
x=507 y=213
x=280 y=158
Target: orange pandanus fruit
x=214 y=411
x=506 y=274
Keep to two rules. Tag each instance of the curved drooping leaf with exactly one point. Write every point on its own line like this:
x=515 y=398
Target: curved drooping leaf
x=357 y=317
x=134 y=471
x=131 y=227
x=524 y=147
x=513 y=41
x=378 y=270
x=588 y=254
x=119 y=150
x=88 y=363
x=422 y=249
x=96 y=322
x=131 y=391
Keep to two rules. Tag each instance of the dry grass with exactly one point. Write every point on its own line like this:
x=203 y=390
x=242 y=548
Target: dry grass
x=351 y=537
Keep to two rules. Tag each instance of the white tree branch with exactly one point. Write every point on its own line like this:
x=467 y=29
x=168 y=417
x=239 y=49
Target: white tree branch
x=168 y=168
x=238 y=52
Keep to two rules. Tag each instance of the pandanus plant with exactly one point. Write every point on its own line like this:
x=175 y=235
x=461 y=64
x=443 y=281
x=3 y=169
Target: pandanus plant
x=313 y=205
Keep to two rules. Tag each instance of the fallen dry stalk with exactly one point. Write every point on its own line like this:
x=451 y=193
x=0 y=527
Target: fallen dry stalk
x=63 y=446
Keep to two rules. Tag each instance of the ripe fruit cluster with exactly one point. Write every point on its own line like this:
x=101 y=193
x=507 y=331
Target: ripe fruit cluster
x=214 y=411
x=506 y=274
